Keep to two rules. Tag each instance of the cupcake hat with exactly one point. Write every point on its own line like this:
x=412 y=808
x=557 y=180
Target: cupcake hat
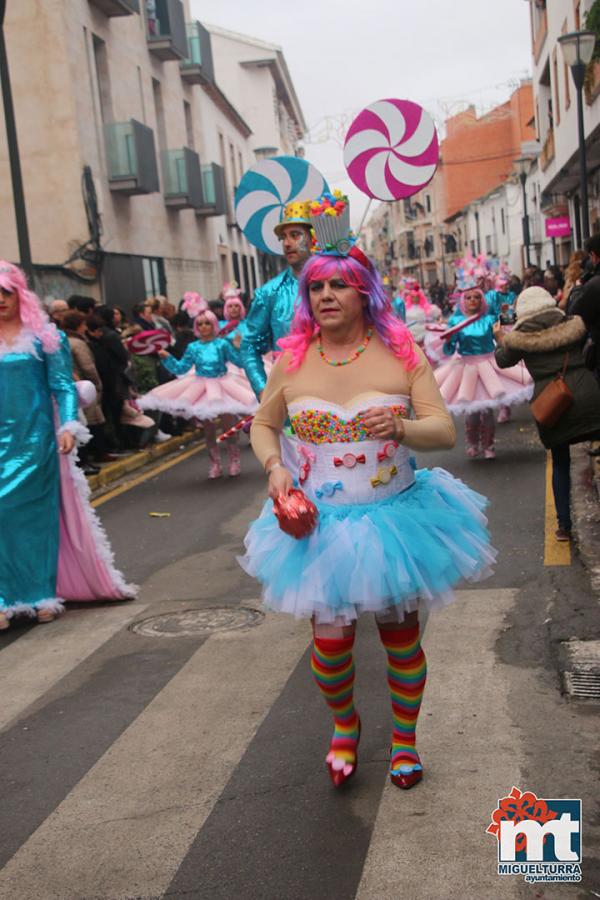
x=330 y=218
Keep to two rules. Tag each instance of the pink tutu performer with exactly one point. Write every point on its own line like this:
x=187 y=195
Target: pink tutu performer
x=470 y=382
x=207 y=388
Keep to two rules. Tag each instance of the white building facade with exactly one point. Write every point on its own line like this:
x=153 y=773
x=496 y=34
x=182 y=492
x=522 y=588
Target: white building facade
x=131 y=150
x=556 y=120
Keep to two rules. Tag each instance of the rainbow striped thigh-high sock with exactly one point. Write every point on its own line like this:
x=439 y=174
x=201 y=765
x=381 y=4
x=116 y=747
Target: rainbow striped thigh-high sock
x=333 y=668
x=407 y=673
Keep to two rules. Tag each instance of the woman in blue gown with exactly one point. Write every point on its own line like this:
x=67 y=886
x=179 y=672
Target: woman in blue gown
x=52 y=548
x=35 y=369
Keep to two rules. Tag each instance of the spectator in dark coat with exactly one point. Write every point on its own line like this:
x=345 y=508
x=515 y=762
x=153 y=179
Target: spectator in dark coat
x=542 y=338
x=112 y=360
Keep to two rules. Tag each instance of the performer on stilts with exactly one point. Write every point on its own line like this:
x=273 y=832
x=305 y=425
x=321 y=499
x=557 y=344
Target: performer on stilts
x=52 y=546
x=209 y=392
x=470 y=382
x=361 y=397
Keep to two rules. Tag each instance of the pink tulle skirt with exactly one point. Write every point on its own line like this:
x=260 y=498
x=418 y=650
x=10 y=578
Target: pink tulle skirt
x=192 y=396
x=474 y=383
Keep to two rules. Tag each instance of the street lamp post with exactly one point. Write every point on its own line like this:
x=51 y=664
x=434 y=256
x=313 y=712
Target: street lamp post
x=13 y=154
x=578 y=48
x=522 y=166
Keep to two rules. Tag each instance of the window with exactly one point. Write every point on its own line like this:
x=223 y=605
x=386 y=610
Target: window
x=566 y=74
x=159 y=112
x=428 y=202
x=103 y=78
x=236 y=267
x=189 y=124
x=253 y=270
x=502 y=221
x=556 y=86
x=488 y=244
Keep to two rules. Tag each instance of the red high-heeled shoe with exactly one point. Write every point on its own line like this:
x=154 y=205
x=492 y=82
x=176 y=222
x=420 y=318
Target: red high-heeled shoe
x=406 y=780
x=340 y=776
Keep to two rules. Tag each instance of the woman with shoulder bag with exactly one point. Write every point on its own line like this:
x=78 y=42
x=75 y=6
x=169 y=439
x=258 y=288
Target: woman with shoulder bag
x=551 y=346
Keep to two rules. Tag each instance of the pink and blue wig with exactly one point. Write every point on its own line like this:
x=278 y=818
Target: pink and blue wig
x=393 y=332
x=32 y=315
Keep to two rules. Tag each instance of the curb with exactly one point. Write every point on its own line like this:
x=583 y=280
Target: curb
x=585 y=507
x=137 y=460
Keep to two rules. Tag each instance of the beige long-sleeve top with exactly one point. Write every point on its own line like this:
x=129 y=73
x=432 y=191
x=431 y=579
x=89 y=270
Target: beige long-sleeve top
x=375 y=373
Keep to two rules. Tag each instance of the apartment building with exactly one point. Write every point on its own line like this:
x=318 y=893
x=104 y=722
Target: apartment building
x=556 y=119
x=130 y=148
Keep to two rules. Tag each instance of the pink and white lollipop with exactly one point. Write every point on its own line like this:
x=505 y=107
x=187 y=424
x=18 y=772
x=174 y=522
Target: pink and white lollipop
x=391 y=150
x=147 y=342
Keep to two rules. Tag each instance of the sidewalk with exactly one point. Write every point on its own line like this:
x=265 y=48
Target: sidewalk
x=138 y=459
x=585 y=502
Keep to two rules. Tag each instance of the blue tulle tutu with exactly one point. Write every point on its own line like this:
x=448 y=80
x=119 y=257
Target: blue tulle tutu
x=409 y=548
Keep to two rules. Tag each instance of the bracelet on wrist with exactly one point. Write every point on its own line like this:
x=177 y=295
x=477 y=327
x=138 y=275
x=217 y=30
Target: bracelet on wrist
x=276 y=465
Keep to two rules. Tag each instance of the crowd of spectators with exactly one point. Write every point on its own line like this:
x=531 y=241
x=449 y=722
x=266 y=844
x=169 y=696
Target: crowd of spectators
x=98 y=338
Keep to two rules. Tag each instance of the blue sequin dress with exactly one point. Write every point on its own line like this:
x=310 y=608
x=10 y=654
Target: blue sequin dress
x=32 y=383
x=206 y=386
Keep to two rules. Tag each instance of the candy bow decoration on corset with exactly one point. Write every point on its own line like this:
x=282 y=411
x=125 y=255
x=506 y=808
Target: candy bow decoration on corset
x=349 y=460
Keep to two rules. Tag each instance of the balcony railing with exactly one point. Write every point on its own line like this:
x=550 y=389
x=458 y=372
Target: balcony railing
x=167 y=36
x=131 y=158
x=547 y=154
x=213 y=189
x=197 y=67
x=182 y=179
x=117 y=7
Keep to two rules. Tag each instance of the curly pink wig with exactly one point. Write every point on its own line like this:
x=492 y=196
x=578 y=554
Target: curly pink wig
x=394 y=333
x=229 y=304
x=210 y=317
x=31 y=313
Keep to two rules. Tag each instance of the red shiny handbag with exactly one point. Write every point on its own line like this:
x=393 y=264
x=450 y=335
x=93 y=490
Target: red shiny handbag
x=553 y=402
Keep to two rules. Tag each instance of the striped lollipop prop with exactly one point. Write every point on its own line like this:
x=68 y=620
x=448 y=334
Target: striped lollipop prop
x=147 y=342
x=239 y=426
x=391 y=150
x=264 y=192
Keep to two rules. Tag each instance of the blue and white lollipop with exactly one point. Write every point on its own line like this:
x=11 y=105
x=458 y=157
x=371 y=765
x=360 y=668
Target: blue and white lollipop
x=264 y=192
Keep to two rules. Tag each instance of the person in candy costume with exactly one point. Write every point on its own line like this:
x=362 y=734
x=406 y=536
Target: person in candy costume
x=419 y=311
x=360 y=397
x=471 y=382
x=272 y=307
x=207 y=392
x=52 y=547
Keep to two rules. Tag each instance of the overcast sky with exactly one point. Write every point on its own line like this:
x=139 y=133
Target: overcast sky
x=345 y=54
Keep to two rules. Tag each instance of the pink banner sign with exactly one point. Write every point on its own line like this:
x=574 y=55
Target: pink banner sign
x=560 y=226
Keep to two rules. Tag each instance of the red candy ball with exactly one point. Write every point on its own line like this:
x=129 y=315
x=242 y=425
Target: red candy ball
x=296 y=514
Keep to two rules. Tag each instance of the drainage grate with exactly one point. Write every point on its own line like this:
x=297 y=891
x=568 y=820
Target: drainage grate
x=198 y=622
x=581 y=669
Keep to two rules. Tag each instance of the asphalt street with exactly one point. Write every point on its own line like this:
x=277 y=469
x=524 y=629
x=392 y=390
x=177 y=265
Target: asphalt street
x=159 y=759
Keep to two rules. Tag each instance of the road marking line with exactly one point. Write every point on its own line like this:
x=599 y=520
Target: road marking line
x=150 y=474
x=556 y=553
x=453 y=805
x=37 y=661
x=125 y=828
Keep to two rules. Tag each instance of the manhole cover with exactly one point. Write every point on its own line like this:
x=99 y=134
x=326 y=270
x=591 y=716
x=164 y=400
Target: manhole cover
x=581 y=670
x=192 y=622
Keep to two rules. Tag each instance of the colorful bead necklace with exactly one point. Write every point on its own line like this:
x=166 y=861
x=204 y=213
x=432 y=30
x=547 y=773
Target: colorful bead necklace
x=355 y=355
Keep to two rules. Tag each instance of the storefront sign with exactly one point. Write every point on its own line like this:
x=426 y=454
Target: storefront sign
x=558 y=227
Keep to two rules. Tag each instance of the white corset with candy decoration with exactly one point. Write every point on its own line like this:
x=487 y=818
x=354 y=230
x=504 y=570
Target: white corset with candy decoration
x=333 y=459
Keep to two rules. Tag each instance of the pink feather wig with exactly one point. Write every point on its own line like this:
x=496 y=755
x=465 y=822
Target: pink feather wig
x=31 y=313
